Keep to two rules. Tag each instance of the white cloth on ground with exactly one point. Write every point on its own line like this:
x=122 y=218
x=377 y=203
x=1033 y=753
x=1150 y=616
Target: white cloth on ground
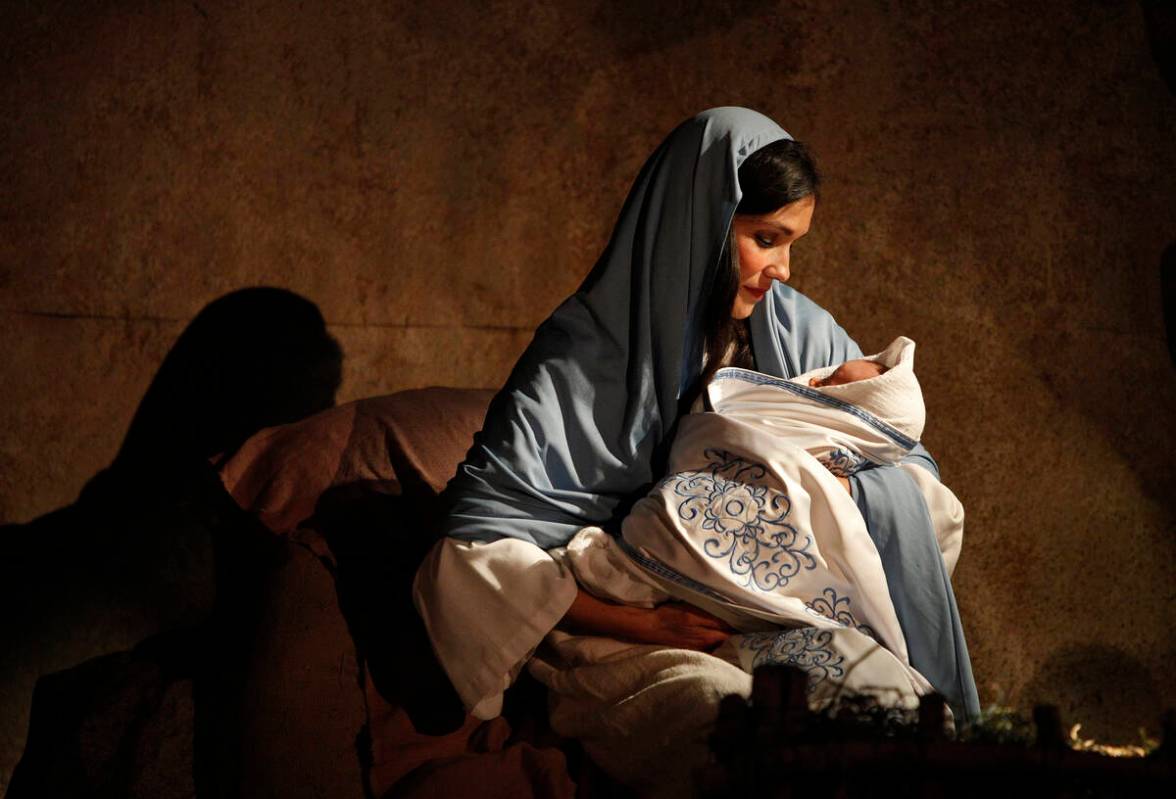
x=630 y=704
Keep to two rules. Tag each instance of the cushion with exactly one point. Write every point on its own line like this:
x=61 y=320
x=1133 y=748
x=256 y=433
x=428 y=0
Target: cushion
x=412 y=440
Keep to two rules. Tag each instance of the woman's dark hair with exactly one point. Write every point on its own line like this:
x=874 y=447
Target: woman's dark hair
x=773 y=176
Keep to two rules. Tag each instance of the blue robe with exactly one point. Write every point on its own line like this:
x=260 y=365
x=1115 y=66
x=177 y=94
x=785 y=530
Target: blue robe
x=584 y=423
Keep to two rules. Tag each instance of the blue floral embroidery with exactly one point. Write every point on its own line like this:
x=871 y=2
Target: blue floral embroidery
x=748 y=520
x=842 y=462
x=806 y=648
x=836 y=608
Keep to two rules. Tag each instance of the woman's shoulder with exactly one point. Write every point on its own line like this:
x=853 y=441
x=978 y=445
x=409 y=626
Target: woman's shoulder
x=800 y=302
x=799 y=311
x=807 y=331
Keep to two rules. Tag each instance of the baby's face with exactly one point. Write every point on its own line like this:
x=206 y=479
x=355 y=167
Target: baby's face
x=850 y=372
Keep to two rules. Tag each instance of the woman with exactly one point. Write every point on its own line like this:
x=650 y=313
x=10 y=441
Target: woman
x=583 y=426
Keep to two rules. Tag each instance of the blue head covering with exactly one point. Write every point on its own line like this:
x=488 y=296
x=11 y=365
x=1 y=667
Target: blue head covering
x=584 y=421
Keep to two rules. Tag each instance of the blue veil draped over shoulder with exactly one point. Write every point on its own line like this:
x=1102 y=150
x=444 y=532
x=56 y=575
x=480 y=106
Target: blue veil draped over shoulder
x=583 y=425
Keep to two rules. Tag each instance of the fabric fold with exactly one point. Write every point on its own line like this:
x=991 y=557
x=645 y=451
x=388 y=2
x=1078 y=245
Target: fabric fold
x=920 y=589
x=486 y=607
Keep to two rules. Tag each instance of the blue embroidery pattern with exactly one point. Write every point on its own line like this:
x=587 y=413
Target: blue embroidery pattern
x=842 y=462
x=748 y=520
x=836 y=608
x=806 y=648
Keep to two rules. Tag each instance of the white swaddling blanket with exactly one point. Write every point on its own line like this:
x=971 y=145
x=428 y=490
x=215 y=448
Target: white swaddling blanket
x=752 y=524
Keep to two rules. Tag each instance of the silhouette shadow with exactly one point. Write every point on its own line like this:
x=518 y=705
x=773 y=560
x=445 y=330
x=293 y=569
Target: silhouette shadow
x=154 y=546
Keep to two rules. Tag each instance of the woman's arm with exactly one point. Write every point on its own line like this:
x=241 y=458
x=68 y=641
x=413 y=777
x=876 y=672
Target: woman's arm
x=670 y=624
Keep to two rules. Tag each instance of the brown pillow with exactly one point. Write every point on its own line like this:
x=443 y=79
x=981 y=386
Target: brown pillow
x=412 y=441
x=429 y=430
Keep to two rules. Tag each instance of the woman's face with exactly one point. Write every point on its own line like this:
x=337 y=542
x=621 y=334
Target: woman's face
x=764 y=244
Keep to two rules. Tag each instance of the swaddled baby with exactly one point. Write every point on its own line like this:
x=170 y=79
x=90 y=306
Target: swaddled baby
x=879 y=392
x=752 y=523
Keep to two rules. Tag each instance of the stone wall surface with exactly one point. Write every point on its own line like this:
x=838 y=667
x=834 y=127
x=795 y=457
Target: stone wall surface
x=438 y=176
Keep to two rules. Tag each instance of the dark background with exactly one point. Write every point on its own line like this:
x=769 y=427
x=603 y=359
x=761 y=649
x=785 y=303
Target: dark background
x=436 y=177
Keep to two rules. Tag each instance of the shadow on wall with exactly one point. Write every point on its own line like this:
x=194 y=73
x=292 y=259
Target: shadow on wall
x=255 y=358
x=134 y=555
x=1160 y=22
x=1103 y=688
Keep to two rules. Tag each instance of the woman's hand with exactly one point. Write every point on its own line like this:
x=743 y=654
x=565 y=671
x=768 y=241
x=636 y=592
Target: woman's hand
x=845 y=484
x=671 y=624
x=685 y=626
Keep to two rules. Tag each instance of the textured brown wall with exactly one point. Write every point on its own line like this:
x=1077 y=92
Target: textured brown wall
x=438 y=176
